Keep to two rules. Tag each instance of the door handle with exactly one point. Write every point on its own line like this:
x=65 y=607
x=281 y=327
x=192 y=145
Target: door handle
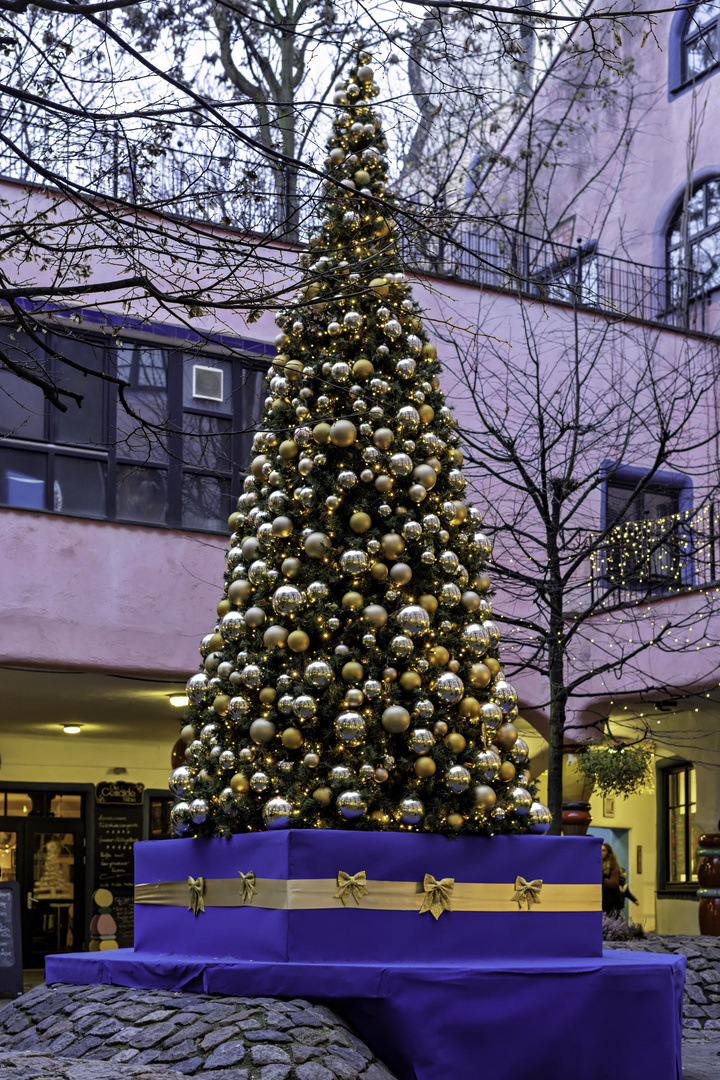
x=30 y=901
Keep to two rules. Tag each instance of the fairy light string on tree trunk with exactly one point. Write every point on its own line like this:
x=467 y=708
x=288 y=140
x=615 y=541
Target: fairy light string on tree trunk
x=353 y=680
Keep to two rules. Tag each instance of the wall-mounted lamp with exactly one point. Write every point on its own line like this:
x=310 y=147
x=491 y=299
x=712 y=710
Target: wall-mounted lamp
x=180 y=701
x=72 y=729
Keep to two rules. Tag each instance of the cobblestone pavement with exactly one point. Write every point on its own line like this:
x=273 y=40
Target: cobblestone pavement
x=63 y=1032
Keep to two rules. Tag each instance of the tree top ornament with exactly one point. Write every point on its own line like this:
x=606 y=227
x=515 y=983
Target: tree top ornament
x=353 y=680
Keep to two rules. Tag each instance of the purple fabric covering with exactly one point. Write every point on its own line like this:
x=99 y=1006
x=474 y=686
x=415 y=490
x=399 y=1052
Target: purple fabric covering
x=360 y=936
x=552 y=1019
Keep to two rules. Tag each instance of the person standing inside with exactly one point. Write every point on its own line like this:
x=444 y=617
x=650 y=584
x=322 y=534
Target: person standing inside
x=612 y=898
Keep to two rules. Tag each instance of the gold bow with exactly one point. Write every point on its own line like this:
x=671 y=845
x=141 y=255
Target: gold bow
x=350 y=886
x=527 y=892
x=438 y=895
x=197 y=888
x=247 y=886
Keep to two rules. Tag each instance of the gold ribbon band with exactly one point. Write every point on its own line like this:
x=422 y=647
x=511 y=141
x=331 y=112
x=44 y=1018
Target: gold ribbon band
x=305 y=894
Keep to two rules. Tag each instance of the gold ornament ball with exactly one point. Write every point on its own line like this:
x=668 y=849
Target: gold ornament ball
x=376 y=615
x=233 y=520
x=275 y=636
x=396 y=719
x=507 y=772
x=343 y=433
x=455 y=455
x=481 y=583
x=363 y=368
x=440 y=728
x=282 y=526
x=255 y=616
x=392 y=545
x=470 y=707
x=380 y=286
x=256 y=465
x=360 y=522
x=492 y=664
x=352 y=671
x=480 y=675
x=291 y=567
x=267 y=695
x=429 y=351
x=337 y=155
x=427 y=415
x=506 y=736
x=410 y=680
x=379 y=571
x=323 y=795
x=435 y=382
x=262 y=731
x=383 y=438
x=362 y=178
x=436 y=464
x=321 y=432
x=288 y=449
x=216 y=642
x=353 y=600
x=365 y=74
x=470 y=600
x=316 y=544
x=484 y=796
x=220 y=704
x=401 y=572
x=223 y=608
x=354 y=697
x=389 y=674
x=381 y=775
x=438 y=655
x=311 y=760
x=454 y=666
x=332 y=502
x=429 y=602
x=383 y=483
x=239 y=783
x=381 y=817
x=455 y=821
x=292 y=738
x=456 y=742
x=424 y=767
x=461 y=512
x=298 y=641
x=425 y=475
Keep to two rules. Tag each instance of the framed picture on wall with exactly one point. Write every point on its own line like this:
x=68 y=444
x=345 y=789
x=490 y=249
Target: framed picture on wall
x=609 y=806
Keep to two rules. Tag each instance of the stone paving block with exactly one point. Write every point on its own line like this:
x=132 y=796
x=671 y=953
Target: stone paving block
x=377 y=1071
x=124 y=1035
x=80 y=1047
x=311 y=1070
x=341 y=1069
x=352 y=1057
x=267 y=1035
x=223 y=1074
x=278 y=1020
x=189 y=1031
x=189 y=1065
x=229 y=1053
x=62 y=1041
x=155 y=1016
x=249 y=1025
x=267 y=1054
x=275 y=1072
x=125 y=1055
x=309 y=1036
x=695 y=993
x=214 y=1038
x=152 y=1035
x=179 y=1051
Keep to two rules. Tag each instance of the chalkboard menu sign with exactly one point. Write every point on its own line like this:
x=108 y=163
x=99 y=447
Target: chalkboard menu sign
x=11 y=968
x=118 y=825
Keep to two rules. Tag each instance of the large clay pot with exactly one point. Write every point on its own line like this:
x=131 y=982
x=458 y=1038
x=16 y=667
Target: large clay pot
x=576 y=818
x=709 y=882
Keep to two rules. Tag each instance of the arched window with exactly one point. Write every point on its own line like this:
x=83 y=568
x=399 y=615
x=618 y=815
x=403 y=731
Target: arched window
x=693 y=246
x=694 y=45
x=700 y=51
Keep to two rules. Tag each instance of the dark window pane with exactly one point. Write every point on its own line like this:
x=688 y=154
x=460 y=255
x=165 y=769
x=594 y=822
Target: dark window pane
x=22 y=479
x=143 y=437
x=141 y=494
x=81 y=424
x=700 y=54
x=79 y=486
x=205 y=502
x=206 y=442
x=22 y=405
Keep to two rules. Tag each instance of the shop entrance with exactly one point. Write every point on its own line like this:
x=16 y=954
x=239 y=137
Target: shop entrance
x=42 y=847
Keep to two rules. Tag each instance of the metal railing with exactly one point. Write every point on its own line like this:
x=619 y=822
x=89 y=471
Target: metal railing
x=207 y=176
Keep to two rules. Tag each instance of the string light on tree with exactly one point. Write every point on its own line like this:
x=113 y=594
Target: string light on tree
x=352 y=679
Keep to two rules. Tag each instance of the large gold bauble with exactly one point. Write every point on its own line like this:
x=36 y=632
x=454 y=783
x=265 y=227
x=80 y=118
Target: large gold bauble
x=337 y=155
x=362 y=178
x=262 y=731
x=380 y=286
x=480 y=675
x=288 y=449
x=438 y=655
x=223 y=608
x=484 y=797
x=461 y=512
x=220 y=704
x=493 y=665
x=401 y=572
x=506 y=736
x=323 y=795
x=267 y=695
x=298 y=641
x=384 y=483
x=376 y=615
x=389 y=674
x=291 y=567
x=250 y=547
x=470 y=600
x=255 y=616
x=425 y=475
x=364 y=74
x=360 y=522
x=233 y=520
x=282 y=526
x=354 y=697
x=429 y=602
x=396 y=719
x=292 y=738
x=379 y=571
x=353 y=600
x=275 y=636
x=424 y=767
x=216 y=642
x=316 y=544
x=470 y=707
x=429 y=351
x=256 y=465
x=239 y=783
x=456 y=742
x=507 y=771
x=321 y=432
x=410 y=680
x=352 y=671
x=363 y=368
x=383 y=438
x=481 y=583
x=427 y=415
x=392 y=545
x=343 y=433
x=455 y=821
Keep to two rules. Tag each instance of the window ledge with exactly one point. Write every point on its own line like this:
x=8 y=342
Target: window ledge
x=678 y=892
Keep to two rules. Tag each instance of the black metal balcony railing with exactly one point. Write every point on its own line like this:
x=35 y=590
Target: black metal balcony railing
x=645 y=560
x=213 y=182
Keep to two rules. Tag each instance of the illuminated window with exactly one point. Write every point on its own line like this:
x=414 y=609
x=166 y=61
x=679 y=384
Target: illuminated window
x=679 y=794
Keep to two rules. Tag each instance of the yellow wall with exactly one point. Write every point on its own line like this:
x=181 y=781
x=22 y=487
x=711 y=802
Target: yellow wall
x=82 y=759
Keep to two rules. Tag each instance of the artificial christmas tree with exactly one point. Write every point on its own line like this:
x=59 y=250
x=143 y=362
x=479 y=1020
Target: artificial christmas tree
x=353 y=679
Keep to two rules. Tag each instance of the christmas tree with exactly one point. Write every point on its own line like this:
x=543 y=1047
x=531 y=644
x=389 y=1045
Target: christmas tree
x=353 y=678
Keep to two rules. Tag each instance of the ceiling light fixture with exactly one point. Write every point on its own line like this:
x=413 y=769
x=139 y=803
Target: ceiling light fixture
x=72 y=729
x=180 y=701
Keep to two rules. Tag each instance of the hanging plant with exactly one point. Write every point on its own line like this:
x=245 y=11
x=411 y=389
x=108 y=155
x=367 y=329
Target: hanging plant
x=617 y=770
